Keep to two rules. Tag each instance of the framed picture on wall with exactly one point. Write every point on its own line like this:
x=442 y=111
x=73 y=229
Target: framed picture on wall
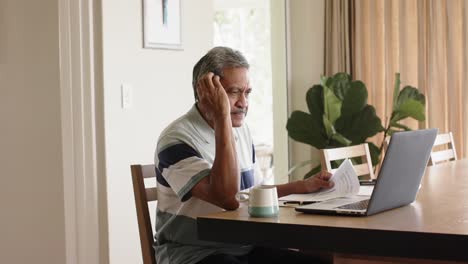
x=162 y=24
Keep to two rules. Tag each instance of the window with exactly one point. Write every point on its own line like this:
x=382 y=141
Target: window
x=245 y=26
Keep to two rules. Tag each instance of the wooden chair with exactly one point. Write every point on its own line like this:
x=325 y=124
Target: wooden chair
x=143 y=196
x=362 y=150
x=447 y=154
x=264 y=159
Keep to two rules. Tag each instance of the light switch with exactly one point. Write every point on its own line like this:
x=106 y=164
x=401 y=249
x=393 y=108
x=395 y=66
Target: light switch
x=127 y=95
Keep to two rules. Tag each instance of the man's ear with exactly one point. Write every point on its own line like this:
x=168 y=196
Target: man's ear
x=195 y=93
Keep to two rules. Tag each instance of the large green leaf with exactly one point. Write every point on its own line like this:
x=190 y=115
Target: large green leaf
x=307 y=128
x=360 y=126
x=314 y=99
x=339 y=84
x=332 y=105
x=409 y=108
x=414 y=109
x=355 y=100
x=408 y=93
x=410 y=103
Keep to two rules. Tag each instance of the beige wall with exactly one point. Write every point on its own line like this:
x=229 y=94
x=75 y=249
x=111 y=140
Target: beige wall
x=162 y=91
x=306 y=25
x=31 y=181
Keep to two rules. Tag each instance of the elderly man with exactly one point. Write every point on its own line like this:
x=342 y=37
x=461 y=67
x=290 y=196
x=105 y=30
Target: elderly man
x=205 y=158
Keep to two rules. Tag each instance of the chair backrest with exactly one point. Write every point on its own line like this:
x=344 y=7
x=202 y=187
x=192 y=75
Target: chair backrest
x=447 y=154
x=362 y=150
x=144 y=195
x=264 y=159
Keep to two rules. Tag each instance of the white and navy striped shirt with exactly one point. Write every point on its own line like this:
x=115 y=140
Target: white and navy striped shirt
x=184 y=156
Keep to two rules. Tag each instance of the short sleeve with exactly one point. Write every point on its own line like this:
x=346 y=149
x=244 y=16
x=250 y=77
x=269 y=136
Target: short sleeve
x=181 y=167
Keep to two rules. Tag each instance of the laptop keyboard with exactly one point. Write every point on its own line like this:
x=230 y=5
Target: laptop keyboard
x=361 y=205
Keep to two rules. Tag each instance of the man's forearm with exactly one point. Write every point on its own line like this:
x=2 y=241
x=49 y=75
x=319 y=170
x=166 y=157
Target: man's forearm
x=312 y=184
x=290 y=188
x=225 y=171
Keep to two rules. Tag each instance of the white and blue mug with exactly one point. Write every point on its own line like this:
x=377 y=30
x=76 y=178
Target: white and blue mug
x=262 y=200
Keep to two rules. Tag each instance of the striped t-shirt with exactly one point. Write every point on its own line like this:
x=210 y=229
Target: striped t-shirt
x=185 y=155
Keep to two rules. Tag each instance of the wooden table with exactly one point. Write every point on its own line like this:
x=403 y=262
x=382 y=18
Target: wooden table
x=434 y=227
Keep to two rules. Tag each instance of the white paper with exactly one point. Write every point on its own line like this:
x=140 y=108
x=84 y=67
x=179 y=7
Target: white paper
x=346 y=180
x=346 y=184
x=366 y=190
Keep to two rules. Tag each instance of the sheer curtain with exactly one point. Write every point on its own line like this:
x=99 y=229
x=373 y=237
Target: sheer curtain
x=427 y=42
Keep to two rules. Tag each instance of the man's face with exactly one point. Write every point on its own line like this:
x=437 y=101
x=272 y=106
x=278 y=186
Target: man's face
x=237 y=86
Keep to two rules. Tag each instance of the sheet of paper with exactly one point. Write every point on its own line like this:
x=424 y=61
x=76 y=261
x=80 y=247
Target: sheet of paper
x=346 y=180
x=366 y=190
x=346 y=184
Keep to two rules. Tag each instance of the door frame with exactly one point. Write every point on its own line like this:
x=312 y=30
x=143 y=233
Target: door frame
x=83 y=131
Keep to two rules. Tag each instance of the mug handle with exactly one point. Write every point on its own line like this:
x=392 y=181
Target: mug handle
x=240 y=196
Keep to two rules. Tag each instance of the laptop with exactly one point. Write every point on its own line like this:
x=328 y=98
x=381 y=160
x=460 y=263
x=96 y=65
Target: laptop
x=399 y=179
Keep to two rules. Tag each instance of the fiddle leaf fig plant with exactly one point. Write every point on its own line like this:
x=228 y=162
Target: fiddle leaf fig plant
x=340 y=116
x=407 y=102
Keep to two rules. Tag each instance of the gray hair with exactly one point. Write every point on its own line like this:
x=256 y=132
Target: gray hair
x=215 y=61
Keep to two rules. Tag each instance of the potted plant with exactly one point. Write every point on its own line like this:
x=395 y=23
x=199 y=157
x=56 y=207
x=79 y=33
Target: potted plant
x=339 y=115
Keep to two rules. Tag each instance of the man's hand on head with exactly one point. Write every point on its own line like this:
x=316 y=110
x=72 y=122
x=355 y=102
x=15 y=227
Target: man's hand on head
x=213 y=100
x=223 y=183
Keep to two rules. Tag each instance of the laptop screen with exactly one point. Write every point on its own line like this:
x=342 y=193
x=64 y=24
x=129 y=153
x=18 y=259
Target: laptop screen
x=402 y=169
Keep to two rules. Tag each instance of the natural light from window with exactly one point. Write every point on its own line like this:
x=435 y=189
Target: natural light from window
x=245 y=26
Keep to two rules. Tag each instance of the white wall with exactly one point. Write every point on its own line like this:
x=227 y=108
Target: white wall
x=162 y=91
x=31 y=182
x=306 y=58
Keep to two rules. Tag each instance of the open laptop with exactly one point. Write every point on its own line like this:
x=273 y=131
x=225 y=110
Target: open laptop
x=397 y=185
